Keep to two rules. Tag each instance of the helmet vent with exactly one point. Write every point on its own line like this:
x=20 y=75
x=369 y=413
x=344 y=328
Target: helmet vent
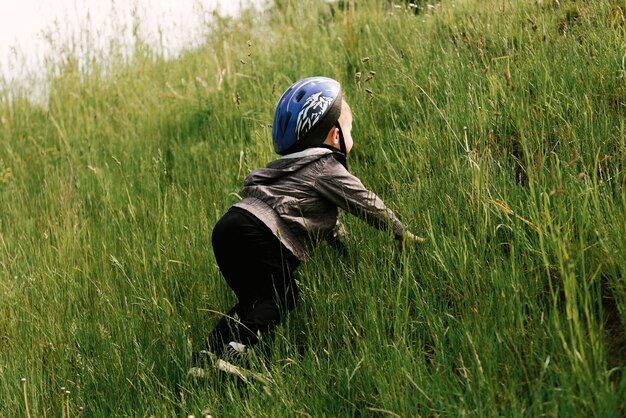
x=300 y=96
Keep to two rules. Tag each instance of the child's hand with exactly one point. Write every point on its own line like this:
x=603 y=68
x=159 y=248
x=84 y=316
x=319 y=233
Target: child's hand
x=335 y=239
x=409 y=237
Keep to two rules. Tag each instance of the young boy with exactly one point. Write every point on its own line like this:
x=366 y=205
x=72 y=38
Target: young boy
x=289 y=207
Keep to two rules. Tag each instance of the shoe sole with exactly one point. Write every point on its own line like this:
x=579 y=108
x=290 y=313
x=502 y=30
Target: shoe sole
x=224 y=366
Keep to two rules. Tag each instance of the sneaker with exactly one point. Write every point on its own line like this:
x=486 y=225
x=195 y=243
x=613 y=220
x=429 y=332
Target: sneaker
x=234 y=353
x=231 y=361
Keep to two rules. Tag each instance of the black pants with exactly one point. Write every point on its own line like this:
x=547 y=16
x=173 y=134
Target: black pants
x=259 y=269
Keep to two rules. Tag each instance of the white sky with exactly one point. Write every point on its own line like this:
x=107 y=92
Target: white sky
x=32 y=31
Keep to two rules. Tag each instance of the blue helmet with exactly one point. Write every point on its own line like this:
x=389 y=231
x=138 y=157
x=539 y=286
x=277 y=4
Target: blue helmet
x=305 y=114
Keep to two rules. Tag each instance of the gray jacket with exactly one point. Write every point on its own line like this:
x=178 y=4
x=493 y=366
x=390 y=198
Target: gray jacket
x=298 y=196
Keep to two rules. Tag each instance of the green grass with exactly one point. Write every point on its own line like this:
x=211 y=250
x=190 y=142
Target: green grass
x=495 y=129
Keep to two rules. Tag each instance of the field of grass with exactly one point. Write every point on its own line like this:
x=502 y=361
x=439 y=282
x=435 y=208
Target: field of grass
x=494 y=128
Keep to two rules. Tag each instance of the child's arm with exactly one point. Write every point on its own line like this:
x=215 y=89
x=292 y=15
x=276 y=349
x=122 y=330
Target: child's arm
x=346 y=191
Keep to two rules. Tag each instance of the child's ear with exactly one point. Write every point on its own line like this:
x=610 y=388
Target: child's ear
x=335 y=134
x=332 y=138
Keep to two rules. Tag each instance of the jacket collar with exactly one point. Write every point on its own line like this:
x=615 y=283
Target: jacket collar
x=308 y=152
x=319 y=151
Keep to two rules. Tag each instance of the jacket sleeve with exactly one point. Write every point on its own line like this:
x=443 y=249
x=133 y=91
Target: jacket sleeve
x=337 y=185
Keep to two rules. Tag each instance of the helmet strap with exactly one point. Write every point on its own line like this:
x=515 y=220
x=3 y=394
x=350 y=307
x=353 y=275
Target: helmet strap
x=342 y=145
x=342 y=141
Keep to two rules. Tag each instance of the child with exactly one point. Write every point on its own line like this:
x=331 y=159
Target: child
x=289 y=207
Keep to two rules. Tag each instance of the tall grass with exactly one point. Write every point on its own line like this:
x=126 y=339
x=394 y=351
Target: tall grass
x=495 y=129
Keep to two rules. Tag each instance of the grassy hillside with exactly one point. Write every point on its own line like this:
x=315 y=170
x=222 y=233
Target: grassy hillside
x=496 y=129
